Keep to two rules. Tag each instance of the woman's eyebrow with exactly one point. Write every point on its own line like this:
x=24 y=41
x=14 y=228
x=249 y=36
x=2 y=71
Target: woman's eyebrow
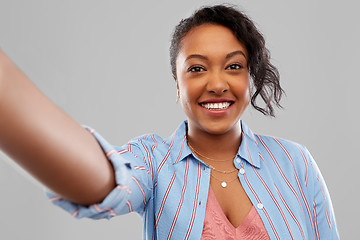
x=229 y=55
x=196 y=56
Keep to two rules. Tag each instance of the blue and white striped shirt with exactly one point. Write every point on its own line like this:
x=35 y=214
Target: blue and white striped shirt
x=168 y=185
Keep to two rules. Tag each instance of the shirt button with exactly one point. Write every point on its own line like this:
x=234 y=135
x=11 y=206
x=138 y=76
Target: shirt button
x=260 y=206
x=242 y=171
x=238 y=160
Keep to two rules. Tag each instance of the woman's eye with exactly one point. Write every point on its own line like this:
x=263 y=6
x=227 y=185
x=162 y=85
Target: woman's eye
x=234 y=67
x=196 y=69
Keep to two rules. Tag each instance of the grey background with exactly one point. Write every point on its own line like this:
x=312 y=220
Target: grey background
x=106 y=64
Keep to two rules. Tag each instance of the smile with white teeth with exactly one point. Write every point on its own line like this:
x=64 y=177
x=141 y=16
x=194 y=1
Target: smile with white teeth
x=216 y=106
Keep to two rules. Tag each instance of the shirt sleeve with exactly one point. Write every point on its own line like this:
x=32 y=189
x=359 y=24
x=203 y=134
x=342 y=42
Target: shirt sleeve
x=133 y=178
x=322 y=210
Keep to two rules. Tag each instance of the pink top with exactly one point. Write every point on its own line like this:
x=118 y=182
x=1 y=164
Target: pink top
x=217 y=226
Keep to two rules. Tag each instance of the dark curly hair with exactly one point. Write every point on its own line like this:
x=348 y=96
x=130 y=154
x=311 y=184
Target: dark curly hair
x=265 y=76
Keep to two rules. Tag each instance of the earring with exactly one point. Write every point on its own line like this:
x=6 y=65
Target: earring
x=177 y=96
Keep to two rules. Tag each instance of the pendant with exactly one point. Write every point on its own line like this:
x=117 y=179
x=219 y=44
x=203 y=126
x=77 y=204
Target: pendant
x=224 y=184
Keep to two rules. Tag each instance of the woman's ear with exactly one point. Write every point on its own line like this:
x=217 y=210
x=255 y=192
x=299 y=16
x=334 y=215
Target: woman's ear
x=176 y=81
x=177 y=89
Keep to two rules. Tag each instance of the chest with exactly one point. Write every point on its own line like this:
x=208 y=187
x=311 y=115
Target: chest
x=180 y=199
x=233 y=200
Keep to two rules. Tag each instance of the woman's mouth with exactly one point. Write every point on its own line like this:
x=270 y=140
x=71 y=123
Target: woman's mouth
x=216 y=106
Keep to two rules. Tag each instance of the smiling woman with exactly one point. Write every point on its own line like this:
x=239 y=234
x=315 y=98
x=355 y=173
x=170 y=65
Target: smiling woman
x=212 y=71
x=212 y=178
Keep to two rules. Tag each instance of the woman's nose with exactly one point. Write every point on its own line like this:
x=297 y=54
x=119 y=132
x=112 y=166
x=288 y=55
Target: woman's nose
x=217 y=83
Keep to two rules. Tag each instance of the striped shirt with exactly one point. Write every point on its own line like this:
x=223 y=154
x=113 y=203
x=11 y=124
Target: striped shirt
x=163 y=181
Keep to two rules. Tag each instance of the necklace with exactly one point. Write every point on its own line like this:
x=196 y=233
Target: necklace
x=224 y=183
x=221 y=171
x=197 y=153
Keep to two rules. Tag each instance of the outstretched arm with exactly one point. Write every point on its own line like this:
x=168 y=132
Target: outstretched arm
x=49 y=144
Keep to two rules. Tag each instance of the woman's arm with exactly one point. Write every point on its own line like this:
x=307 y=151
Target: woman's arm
x=46 y=142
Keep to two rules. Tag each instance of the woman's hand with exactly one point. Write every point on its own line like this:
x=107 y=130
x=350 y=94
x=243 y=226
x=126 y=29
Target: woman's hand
x=49 y=144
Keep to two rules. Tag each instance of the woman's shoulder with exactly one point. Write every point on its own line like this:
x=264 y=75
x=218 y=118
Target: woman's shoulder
x=279 y=144
x=147 y=142
x=148 y=145
x=283 y=153
x=152 y=142
x=272 y=145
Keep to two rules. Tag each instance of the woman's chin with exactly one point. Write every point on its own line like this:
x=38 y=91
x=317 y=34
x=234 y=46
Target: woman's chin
x=220 y=128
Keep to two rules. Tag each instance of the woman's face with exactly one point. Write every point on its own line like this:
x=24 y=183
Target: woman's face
x=212 y=79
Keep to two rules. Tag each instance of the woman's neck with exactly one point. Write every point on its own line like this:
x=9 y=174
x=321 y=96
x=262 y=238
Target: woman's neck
x=216 y=146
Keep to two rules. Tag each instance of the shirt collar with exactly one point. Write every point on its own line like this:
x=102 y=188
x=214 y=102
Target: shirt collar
x=248 y=149
x=178 y=143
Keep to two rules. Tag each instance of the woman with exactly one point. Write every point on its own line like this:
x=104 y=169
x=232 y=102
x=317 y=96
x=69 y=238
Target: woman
x=213 y=178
